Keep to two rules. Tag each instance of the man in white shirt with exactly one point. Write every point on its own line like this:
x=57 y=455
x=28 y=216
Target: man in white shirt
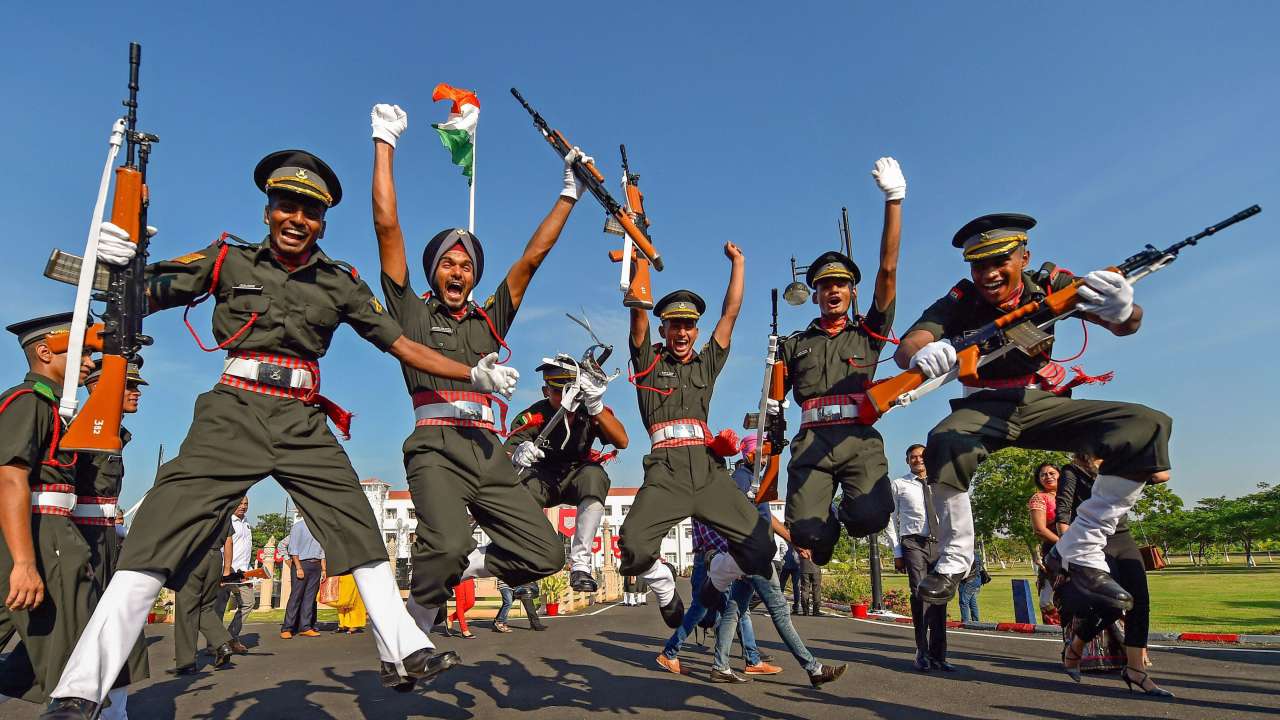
x=237 y=558
x=915 y=551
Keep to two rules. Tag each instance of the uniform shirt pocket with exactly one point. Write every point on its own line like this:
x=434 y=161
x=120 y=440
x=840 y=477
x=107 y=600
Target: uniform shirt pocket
x=321 y=317
x=245 y=302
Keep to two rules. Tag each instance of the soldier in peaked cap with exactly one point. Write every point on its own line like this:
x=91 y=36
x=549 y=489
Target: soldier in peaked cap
x=569 y=470
x=453 y=456
x=46 y=578
x=1020 y=401
x=684 y=472
x=277 y=305
x=828 y=366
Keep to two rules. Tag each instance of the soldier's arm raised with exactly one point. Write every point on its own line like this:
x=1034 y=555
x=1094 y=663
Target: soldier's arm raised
x=639 y=329
x=611 y=430
x=889 y=177
x=386 y=216
x=732 y=296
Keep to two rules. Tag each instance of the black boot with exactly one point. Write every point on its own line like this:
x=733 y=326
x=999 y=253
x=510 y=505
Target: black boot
x=419 y=665
x=222 y=656
x=70 y=708
x=673 y=612
x=1100 y=587
x=582 y=581
x=939 y=588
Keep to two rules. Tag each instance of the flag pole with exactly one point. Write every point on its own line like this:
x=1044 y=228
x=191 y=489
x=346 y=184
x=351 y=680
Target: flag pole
x=471 y=211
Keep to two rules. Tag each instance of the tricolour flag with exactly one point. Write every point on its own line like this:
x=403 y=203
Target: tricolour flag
x=458 y=133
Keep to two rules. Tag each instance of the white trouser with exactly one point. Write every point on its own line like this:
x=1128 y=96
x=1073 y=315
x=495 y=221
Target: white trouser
x=723 y=571
x=1096 y=519
x=955 y=531
x=661 y=582
x=112 y=630
x=475 y=564
x=394 y=630
x=118 y=709
x=590 y=513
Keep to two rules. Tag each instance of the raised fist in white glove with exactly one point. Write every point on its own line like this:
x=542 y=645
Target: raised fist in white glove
x=889 y=177
x=388 y=122
x=573 y=187
x=490 y=377
x=936 y=358
x=527 y=453
x=1108 y=295
x=587 y=393
x=114 y=245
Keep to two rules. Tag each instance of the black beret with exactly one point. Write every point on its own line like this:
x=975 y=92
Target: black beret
x=832 y=264
x=300 y=172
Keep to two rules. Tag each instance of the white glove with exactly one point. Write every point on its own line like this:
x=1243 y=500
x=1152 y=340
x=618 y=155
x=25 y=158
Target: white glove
x=114 y=245
x=1108 y=295
x=388 y=122
x=587 y=393
x=889 y=177
x=773 y=407
x=936 y=358
x=490 y=377
x=573 y=187
x=527 y=453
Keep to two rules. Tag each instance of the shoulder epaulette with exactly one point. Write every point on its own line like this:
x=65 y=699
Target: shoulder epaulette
x=348 y=267
x=235 y=241
x=488 y=302
x=44 y=391
x=960 y=290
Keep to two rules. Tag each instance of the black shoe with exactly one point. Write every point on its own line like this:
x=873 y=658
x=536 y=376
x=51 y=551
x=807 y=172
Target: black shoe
x=922 y=662
x=1099 y=587
x=766 y=657
x=222 y=656
x=419 y=665
x=827 y=674
x=939 y=588
x=1141 y=680
x=70 y=708
x=183 y=670
x=539 y=627
x=710 y=598
x=673 y=612
x=582 y=581
x=728 y=676
x=942 y=665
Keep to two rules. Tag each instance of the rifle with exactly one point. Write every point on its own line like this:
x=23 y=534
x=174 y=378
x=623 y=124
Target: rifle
x=634 y=281
x=1023 y=329
x=771 y=435
x=590 y=363
x=97 y=426
x=594 y=182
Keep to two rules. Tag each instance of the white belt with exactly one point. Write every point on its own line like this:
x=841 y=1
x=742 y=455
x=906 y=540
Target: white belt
x=829 y=413
x=53 y=499
x=248 y=369
x=679 y=431
x=94 y=510
x=971 y=390
x=456 y=410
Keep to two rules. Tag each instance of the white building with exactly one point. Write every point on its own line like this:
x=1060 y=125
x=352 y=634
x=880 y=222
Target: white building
x=394 y=509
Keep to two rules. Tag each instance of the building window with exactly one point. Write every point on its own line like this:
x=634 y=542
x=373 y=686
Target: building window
x=413 y=514
x=670 y=557
x=390 y=514
x=688 y=532
x=671 y=534
x=625 y=508
x=390 y=537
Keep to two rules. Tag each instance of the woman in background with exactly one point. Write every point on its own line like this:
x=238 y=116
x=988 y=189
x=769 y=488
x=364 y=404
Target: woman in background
x=351 y=615
x=1043 y=507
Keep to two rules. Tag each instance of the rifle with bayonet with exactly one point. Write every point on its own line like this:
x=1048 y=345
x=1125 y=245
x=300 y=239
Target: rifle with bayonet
x=593 y=180
x=96 y=427
x=771 y=433
x=1023 y=329
x=634 y=281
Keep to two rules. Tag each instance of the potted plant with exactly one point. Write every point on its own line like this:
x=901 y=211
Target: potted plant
x=160 y=610
x=551 y=588
x=851 y=587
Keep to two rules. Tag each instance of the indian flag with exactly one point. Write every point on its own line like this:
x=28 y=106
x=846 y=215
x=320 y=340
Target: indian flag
x=458 y=133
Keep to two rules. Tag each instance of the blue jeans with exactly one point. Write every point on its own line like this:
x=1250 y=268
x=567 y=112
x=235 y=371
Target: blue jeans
x=969 y=600
x=507 y=596
x=739 y=599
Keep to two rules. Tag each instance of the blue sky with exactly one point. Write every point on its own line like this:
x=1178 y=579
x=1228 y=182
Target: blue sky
x=1114 y=125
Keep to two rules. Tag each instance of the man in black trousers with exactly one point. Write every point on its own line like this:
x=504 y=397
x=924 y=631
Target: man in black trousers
x=304 y=582
x=915 y=551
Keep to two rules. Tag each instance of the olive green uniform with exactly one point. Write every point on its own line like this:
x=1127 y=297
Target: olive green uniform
x=1132 y=439
x=452 y=468
x=239 y=436
x=193 y=607
x=102 y=475
x=845 y=455
x=680 y=482
x=568 y=474
x=48 y=632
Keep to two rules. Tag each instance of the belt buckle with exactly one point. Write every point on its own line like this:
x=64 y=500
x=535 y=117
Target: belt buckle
x=274 y=375
x=470 y=411
x=830 y=412
x=682 y=431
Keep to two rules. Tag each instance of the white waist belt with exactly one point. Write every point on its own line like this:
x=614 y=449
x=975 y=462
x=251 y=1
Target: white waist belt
x=968 y=390
x=455 y=410
x=53 y=499
x=829 y=413
x=679 y=431
x=248 y=369
x=94 y=510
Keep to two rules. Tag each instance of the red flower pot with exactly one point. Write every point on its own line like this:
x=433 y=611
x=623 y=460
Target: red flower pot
x=859 y=610
x=553 y=609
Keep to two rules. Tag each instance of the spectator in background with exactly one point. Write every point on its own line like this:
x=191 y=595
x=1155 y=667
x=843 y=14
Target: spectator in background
x=526 y=594
x=121 y=530
x=237 y=558
x=791 y=571
x=1042 y=506
x=810 y=584
x=351 y=614
x=635 y=591
x=915 y=551
x=1125 y=565
x=309 y=570
x=969 y=590
x=464 y=598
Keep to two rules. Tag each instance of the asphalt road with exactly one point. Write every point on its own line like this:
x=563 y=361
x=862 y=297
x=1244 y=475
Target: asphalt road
x=602 y=664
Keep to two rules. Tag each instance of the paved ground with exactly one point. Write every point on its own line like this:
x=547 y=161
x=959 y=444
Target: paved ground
x=602 y=664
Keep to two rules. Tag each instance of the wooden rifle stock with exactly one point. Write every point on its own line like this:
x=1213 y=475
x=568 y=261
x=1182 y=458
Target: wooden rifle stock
x=639 y=292
x=768 y=490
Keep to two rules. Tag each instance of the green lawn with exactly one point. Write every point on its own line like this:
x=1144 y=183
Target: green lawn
x=1217 y=598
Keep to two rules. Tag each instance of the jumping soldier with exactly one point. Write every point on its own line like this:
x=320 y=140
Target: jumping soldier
x=46 y=574
x=278 y=304
x=1019 y=401
x=684 y=473
x=454 y=458
x=570 y=470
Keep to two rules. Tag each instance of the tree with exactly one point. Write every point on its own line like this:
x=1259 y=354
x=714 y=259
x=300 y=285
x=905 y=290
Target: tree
x=270 y=525
x=1001 y=487
x=1158 y=516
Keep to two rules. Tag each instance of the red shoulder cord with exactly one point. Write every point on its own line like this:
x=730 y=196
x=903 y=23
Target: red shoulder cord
x=213 y=285
x=633 y=376
x=890 y=339
x=1081 y=377
x=52 y=460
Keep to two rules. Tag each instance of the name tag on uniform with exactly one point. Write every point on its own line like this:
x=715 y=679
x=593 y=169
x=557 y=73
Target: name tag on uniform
x=445 y=330
x=666 y=373
x=802 y=353
x=255 y=289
